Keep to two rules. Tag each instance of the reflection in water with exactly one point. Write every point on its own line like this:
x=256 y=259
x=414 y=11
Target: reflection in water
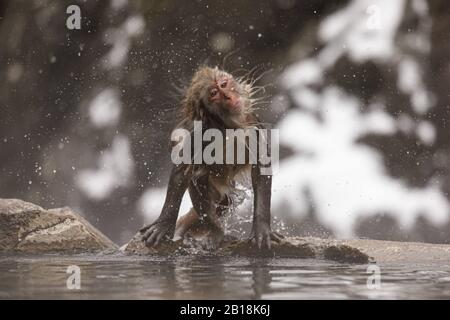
x=123 y=277
x=261 y=279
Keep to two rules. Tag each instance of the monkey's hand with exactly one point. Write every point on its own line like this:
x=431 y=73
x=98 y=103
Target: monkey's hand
x=262 y=235
x=157 y=231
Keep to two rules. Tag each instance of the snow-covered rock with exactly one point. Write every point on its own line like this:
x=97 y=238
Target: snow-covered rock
x=28 y=228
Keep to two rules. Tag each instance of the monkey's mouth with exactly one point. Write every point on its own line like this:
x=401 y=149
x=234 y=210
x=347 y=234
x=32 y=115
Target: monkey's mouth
x=235 y=104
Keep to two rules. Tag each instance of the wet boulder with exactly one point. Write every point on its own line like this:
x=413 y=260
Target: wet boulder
x=290 y=247
x=28 y=228
x=137 y=246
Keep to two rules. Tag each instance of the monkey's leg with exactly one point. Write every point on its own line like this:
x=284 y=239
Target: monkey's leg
x=205 y=207
x=190 y=222
x=164 y=226
x=185 y=223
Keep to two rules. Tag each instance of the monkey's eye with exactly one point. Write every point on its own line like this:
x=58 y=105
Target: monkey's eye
x=213 y=92
x=224 y=84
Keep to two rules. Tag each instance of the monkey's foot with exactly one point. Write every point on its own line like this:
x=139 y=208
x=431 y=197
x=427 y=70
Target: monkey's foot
x=264 y=238
x=205 y=237
x=210 y=241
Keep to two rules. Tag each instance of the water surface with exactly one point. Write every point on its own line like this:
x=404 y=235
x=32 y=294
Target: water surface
x=125 y=277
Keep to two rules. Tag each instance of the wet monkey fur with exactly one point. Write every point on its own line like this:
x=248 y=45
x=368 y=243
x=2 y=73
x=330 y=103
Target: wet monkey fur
x=219 y=101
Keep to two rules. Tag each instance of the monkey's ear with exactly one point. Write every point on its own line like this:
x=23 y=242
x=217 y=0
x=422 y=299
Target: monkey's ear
x=198 y=110
x=190 y=109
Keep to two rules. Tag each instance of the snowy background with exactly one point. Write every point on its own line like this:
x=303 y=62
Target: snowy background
x=359 y=90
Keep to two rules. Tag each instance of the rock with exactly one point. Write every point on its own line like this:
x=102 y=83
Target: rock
x=344 y=253
x=285 y=249
x=138 y=247
x=384 y=251
x=28 y=228
x=292 y=247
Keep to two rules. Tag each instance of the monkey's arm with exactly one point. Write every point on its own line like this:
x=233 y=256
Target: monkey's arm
x=165 y=224
x=262 y=193
x=262 y=185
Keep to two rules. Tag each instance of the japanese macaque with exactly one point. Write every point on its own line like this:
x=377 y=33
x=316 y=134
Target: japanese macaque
x=219 y=101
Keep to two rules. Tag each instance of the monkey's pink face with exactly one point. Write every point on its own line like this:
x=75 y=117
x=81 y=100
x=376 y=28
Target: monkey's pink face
x=224 y=94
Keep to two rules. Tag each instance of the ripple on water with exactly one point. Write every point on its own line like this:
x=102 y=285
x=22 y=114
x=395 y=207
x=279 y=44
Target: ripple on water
x=125 y=277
